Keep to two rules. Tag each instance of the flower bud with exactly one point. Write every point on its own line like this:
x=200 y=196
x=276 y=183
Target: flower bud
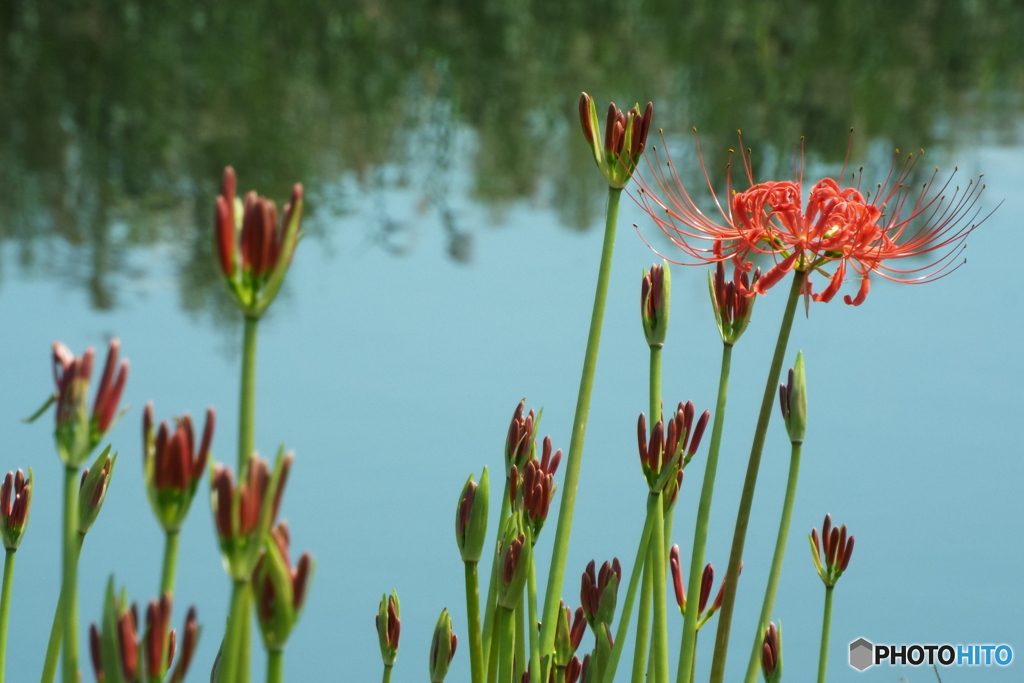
x=15 y=506
x=624 y=140
x=655 y=292
x=568 y=637
x=771 y=653
x=793 y=401
x=520 y=444
x=831 y=552
x=514 y=557
x=598 y=592
x=538 y=485
x=573 y=671
x=92 y=490
x=732 y=300
x=442 y=648
x=279 y=589
x=389 y=627
x=254 y=267
x=471 y=517
x=671 y=449
x=189 y=642
x=173 y=466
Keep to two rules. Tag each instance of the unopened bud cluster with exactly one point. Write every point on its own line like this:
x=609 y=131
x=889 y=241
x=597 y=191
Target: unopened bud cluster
x=831 y=551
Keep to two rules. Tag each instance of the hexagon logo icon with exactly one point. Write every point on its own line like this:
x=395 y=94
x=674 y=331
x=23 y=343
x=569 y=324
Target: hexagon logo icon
x=861 y=654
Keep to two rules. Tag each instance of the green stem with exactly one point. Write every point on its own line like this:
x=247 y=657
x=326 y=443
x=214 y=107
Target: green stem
x=56 y=634
x=521 y=660
x=660 y=631
x=655 y=385
x=750 y=481
x=387 y=674
x=476 y=657
x=69 y=603
x=688 y=646
x=506 y=644
x=560 y=550
x=643 y=621
x=634 y=582
x=275 y=666
x=5 y=608
x=247 y=399
x=531 y=602
x=490 y=649
x=826 y=627
x=780 y=553
x=239 y=614
x=170 y=563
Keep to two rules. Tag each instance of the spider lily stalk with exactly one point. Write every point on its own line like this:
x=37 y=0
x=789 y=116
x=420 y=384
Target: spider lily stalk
x=837 y=549
x=15 y=506
x=624 y=140
x=707 y=579
x=793 y=404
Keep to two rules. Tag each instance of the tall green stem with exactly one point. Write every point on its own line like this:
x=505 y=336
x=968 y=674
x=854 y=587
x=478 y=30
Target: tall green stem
x=660 y=631
x=643 y=621
x=506 y=643
x=5 y=608
x=56 y=634
x=634 y=582
x=229 y=662
x=170 y=563
x=531 y=602
x=750 y=481
x=556 y=575
x=387 y=674
x=476 y=657
x=521 y=660
x=247 y=398
x=826 y=627
x=489 y=643
x=69 y=603
x=688 y=646
x=275 y=666
x=780 y=553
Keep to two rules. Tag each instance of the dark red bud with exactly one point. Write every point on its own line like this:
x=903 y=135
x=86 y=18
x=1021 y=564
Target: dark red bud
x=698 y=431
x=95 y=652
x=585 y=122
x=706 y=579
x=847 y=554
x=677 y=576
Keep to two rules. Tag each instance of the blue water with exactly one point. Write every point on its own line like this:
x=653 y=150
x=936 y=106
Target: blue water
x=394 y=378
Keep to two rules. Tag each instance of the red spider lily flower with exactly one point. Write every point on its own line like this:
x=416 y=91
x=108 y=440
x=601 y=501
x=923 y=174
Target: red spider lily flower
x=172 y=465
x=520 y=443
x=15 y=506
x=280 y=589
x=598 y=592
x=389 y=627
x=832 y=552
x=667 y=449
x=625 y=137
x=839 y=227
x=707 y=579
x=655 y=293
x=771 y=654
x=255 y=265
x=77 y=430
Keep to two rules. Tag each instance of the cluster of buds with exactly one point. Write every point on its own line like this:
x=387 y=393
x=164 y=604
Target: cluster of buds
x=280 y=590
x=793 y=401
x=568 y=635
x=668 y=450
x=598 y=593
x=771 y=653
x=92 y=489
x=389 y=627
x=707 y=580
x=77 y=430
x=244 y=514
x=514 y=556
x=836 y=548
x=655 y=292
x=15 y=505
x=172 y=466
x=521 y=442
x=120 y=656
x=442 y=648
x=732 y=300
x=471 y=517
x=255 y=264
x=533 y=491
x=573 y=671
x=625 y=137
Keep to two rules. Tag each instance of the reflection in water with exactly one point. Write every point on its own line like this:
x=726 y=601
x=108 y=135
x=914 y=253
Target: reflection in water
x=117 y=117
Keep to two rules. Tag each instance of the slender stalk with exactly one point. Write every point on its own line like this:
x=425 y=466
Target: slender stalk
x=233 y=637
x=5 y=608
x=387 y=674
x=521 y=658
x=170 y=563
x=476 y=657
x=668 y=547
x=560 y=550
x=69 y=604
x=506 y=644
x=245 y=642
x=826 y=627
x=780 y=553
x=654 y=385
x=660 y=631
x=56 y=634
x=531 y=602
x=750 y=482
x=634 y=583
x=247 y=399
x=688 y=645
x=643 y=620
x=275 y=666
x=490 y=649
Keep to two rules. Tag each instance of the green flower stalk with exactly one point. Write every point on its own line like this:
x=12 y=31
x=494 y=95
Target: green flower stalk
x=470 y=535
x=442 y=648
x=172 y=468
x=793 y=403
x=624 y=142
x=515 y=554
x=837 y=549
x=771 y=652
x=15 y=506
x=389 y=628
